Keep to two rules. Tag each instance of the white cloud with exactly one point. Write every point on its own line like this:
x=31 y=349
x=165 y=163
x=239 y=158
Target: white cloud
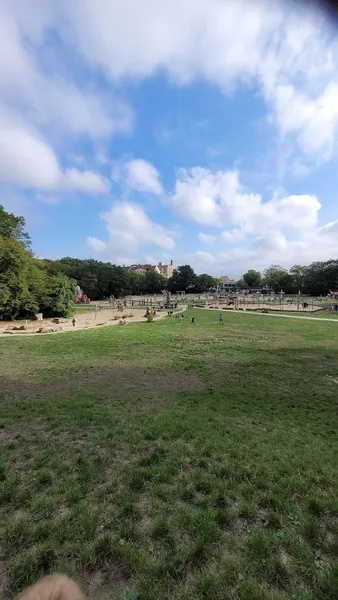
x=206 y=238
x=137 y=174
x=85 y=181
x=130 y=229
x=212 y=198
x=35 y=82
x=26 y=160
x=283 y=229
x=319 y=244
x=287 y=49
x=41 y=103
x=24 y=156
x=313 y=120
x=217 y=198
x=282 y=50
x=233 y=235
x=96 y=245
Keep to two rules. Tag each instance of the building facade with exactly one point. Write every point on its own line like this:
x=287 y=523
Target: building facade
x=164 y=270
x=226 y=284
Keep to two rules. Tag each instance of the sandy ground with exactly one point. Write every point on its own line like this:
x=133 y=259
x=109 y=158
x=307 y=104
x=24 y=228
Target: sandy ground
x=87 y=320
x=261 y=306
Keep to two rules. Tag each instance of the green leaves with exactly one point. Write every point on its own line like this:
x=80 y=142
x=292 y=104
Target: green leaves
x=26 y=287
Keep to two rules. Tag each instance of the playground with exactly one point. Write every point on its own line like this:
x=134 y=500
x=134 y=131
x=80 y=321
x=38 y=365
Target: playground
x=163 y=460
x=97 y=314
x=136 y=309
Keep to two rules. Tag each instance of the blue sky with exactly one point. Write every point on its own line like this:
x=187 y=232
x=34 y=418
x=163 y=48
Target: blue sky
x=203 y=132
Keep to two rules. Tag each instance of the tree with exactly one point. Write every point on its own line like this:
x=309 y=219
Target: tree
x=252 y=278
x=26 y=284
x=183 y=279
x=12 y=227
x=136 y=283
x=60 y=297
x=298 y=274
x=204 y=282
x=16 y=297
x=154 y=282
x=321 y=277
x=278 y=279
x=241 y=284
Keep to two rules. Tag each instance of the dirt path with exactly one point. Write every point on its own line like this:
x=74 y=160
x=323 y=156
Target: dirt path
x=249 y=312
x=87 y=320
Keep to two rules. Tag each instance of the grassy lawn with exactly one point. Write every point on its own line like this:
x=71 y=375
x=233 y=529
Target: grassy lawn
x=166 y=461
x=320 y=314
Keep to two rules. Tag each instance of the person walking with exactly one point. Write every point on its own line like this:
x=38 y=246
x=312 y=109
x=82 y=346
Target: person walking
x=221 y=319
x=193 y=322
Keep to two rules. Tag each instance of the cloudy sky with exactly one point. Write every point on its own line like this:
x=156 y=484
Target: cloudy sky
x=204 y=131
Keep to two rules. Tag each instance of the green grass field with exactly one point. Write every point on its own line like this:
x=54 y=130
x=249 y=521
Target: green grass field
x=166 y=461
x=321 y=314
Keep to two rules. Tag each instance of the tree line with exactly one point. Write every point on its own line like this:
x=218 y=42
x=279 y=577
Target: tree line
x=100 y=280
x=29 y=285
x=317 y=279
x=26 y=285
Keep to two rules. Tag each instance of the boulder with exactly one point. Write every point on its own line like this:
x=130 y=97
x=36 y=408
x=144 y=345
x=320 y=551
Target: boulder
x=49 y=329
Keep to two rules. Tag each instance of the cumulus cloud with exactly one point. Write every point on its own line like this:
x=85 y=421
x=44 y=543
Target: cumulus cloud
x=48 y=96
x=218 y=199
x=211 y=198
x=285 y=48
x=255 y=233
x=25 y=158
x=96 y=245
x=233 y=235
x=129 y=230
x=282 y=50
x=85 y=181
x=41 y=103
x=206 y=238
x=317 y=244
x=246 y=232
x=137 y=174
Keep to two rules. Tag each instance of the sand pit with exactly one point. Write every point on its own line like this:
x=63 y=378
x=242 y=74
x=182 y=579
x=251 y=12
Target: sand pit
x=283 y=307
x=86 y=320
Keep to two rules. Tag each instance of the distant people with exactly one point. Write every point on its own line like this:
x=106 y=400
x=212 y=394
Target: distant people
x=193 y=322
x=74 y=322
x=221 y=319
